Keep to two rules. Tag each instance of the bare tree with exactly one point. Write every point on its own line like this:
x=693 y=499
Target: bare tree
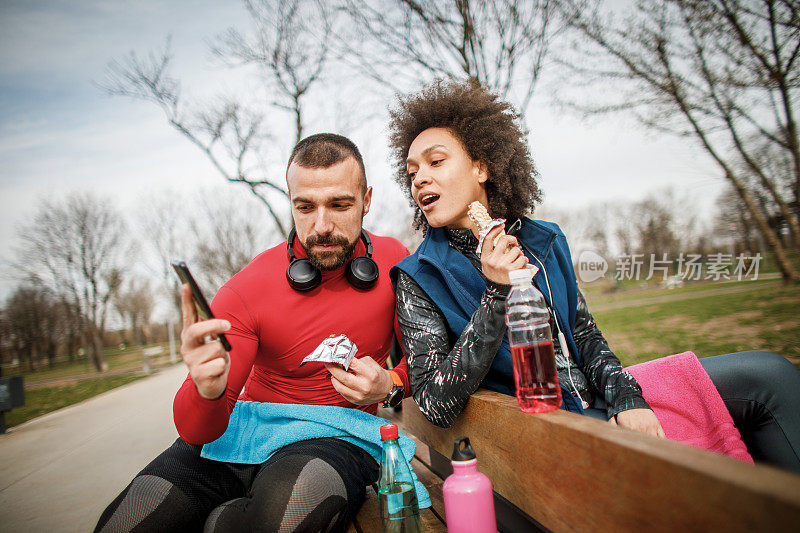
x=72 y=324
x=216 y=230
x=290 y=44
x=227 y=133
x=290 y=56
x=664 y=222
x=24 y=313
x=6 y=334
x=734 y=224
x=135 y=305
x=624 y=229
x=32 y=317
x=654 y=232
x=76 y=249
x=20 y=321
x=228 y=233
x=723 y=72
x=587 y=227
x=500 y=43
x=776 y=166
x=164 y=227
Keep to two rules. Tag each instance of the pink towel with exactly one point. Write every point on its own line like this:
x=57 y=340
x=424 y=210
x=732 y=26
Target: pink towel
x=688 y=405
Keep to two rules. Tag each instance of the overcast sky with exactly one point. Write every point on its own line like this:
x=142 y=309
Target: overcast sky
x=60 y=133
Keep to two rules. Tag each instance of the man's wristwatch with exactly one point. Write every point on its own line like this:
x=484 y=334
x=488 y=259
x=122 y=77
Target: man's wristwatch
x=397 y=393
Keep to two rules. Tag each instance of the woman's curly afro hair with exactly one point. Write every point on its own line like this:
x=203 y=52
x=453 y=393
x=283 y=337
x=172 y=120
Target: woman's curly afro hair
x=489 y=130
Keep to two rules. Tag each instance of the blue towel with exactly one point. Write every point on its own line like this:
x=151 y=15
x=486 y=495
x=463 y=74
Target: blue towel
x=257 y=430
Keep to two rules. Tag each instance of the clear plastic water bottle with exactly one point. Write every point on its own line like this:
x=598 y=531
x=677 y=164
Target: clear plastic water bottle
x=531 y=342
x=397 y=496
x=468 y=499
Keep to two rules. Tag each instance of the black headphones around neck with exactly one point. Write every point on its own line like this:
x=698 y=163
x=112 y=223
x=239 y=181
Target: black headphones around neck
x=303 y=276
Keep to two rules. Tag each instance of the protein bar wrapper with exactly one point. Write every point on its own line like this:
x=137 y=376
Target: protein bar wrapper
x=335 y=349
x=481 y=218
x=484 y=222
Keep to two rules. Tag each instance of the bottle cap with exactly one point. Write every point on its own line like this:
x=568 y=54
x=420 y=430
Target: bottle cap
x=462 y=454
x=523 y=275
x=389 y=432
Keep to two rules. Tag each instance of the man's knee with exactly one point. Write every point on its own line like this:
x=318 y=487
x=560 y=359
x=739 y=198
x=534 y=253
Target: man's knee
x=298 y=493
x=318 y=479
x=147 y=499
x=318 y=496
x=175 y=491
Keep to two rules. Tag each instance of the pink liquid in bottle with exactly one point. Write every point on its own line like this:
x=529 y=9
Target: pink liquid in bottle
x=536 y=377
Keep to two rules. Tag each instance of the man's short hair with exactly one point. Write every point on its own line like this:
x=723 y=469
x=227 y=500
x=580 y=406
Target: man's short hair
x=324 y=150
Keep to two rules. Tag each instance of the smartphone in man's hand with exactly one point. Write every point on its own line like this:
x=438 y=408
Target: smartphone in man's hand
x=203 y=309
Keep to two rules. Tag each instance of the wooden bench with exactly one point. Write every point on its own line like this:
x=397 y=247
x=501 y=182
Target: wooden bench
x=564 y=472
x=368 y=519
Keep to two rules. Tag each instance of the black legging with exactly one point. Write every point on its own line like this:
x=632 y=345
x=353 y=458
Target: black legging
x=313 y=485
x=762 y=393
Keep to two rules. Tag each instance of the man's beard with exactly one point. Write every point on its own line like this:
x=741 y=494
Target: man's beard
x=329 y=260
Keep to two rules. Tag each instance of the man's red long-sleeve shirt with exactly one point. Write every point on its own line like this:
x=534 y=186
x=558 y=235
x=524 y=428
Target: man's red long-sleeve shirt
x=273 y=327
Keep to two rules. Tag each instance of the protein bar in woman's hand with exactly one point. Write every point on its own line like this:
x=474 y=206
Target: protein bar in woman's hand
x=484 y=222
x=479 y=215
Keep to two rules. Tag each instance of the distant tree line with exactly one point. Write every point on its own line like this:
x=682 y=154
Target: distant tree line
x=81 y=263
x=71 y=287
x=665 y=224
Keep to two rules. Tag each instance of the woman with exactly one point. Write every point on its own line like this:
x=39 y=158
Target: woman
x=455 y=143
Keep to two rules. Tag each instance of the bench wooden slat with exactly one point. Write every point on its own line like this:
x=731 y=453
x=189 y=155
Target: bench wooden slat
x=432 y=518
x=571 y=472
x=422 y=454
x=424 y=474
x=368 y=519
x=433 y=483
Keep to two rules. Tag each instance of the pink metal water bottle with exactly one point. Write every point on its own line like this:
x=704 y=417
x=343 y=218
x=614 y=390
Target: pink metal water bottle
x=468 y=499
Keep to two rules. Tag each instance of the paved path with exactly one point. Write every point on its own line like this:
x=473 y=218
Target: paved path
x=59 y=471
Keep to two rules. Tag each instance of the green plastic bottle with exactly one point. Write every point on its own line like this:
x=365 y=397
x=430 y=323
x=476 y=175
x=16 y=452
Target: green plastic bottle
x=397 y=496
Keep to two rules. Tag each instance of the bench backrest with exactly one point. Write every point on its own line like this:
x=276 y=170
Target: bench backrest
x=571 y=472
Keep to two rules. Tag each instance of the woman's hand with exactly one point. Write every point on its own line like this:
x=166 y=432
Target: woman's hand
x=498 y=260
x=642 y=420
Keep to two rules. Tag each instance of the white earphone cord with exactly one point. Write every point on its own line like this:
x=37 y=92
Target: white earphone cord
x=562 y=340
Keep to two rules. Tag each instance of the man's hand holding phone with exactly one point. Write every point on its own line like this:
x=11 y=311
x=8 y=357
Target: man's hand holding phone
x=208 y=362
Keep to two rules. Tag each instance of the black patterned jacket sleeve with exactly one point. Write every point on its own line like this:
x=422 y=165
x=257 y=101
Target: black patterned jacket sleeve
x=602 y=368
x=443 y=378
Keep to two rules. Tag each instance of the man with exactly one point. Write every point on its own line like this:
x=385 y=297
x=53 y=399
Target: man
x=272 y=323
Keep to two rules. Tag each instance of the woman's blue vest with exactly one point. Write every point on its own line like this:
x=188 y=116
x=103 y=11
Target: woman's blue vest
x=456 y=287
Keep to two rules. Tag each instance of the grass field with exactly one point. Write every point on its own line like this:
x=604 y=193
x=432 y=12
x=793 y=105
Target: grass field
x=43 y=400
x=709 y=319
x=69 y=383
x=119 y=360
